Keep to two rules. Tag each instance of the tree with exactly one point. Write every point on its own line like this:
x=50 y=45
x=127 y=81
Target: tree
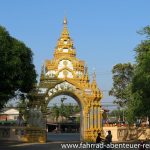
x=64 y=110
x=55 y=112
x=122 y=76
x=76 y=108
x=140 y=88
x=17 y=71
x=68 y=110
x=22 y=107
x=118 y=113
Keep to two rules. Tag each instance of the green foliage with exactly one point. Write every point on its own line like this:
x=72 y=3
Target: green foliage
x=145 y=31
x=76 y=108
x=122 y=76
x=118 y=113
x=68 y=110
x=17 y=71
x=22 y=104
x=64 y=110
x=55 y=112
x=78 y=120
x=140 y=87
x=134 y=108
x=131 y=85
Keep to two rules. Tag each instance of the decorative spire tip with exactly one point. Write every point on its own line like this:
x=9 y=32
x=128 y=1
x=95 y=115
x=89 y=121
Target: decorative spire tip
x=65 y=21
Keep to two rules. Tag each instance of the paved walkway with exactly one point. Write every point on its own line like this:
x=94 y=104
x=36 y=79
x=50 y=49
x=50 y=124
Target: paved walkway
x=12 y=145
x=63 y=137
x=50 y=145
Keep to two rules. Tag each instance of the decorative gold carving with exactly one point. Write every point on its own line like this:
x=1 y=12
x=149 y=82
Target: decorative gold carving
x=65 y=63
x=65 y=72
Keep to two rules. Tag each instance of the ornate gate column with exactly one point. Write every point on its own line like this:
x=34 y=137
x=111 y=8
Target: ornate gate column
x=35 y=130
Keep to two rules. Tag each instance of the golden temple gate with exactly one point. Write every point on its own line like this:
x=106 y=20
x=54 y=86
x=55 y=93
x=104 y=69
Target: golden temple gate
x=66 y=74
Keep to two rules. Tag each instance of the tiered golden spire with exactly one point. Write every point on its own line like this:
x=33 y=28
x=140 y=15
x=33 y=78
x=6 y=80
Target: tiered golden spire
x=86 y=73
x=94 y=85
x=65 y=32
x=65 y=43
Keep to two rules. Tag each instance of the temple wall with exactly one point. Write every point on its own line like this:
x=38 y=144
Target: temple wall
x=24 y=134
x=126 y=133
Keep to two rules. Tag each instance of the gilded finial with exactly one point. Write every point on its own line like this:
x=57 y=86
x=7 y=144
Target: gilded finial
x=65 y=32
x=94 y=84
x=65 y=21
x=94 y=75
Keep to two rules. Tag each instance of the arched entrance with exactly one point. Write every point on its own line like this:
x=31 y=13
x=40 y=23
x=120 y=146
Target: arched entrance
x=64 y=118
x=66 y=74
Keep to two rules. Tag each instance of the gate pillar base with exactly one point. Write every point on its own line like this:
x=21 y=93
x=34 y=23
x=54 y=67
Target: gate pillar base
x=91 y=134
x=35 y=135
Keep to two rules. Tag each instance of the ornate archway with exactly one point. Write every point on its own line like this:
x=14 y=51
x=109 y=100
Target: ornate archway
x=66 y=74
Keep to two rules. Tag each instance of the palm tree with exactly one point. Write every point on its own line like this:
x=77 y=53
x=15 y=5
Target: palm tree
x=55 y=112
x=62 y=108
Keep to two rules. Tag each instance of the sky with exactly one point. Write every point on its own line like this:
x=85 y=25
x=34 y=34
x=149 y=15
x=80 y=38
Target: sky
x=104 y=31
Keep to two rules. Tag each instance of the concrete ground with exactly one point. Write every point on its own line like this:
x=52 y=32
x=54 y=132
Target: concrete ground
x=63 y=137
x=55 y=142
x=12 y=145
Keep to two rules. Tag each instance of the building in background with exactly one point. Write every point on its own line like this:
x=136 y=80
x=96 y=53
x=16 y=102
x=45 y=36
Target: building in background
x=9 y=114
